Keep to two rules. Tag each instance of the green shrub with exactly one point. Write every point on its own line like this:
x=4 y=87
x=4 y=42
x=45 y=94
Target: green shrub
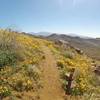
x=60 y=64
x=4 y=91
x=33 y=72
x=76 y=91
x=7 y=58
x=23 y=84
x=9 y=48
x=69 y=55
x=19 y=85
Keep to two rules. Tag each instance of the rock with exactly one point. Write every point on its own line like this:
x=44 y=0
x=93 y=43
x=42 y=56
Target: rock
x=79 y=51
x=97 y=70
x=61 y=42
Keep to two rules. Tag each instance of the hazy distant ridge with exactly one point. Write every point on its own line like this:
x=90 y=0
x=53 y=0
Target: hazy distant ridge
x=91 y=46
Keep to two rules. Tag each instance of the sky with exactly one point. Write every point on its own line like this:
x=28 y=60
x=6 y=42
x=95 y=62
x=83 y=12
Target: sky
x=58 y=16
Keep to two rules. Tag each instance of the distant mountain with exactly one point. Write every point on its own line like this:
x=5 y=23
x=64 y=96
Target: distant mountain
x=41 y=33
x=77 y=35
x=91 y=46
x=50 y=33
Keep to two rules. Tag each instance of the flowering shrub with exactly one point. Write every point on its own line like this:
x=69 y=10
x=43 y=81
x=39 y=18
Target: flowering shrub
x=68 y=59
x=4 y=91
x=23 y=85
x=81 y=79
x=60 y=63
x=20 y=55
x=20 y=77
x=81 y=87
x=18 y=47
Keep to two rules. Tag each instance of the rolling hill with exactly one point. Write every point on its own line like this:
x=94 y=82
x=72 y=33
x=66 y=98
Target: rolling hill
x=90 y=46
x=34 y=68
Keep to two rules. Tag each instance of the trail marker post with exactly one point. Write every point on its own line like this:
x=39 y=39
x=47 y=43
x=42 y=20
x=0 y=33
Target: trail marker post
x=69 y=79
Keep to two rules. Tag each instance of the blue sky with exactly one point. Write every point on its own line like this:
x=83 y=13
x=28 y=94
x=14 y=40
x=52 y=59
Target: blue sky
x=61 y=16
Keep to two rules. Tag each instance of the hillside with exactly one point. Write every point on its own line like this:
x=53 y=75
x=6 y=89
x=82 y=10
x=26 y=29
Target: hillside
x=90 y=46
x=32 y=68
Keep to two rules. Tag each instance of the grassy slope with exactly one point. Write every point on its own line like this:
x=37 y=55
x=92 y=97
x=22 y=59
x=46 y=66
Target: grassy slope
x=38 y=71
x=85 y=81
x=22 y=80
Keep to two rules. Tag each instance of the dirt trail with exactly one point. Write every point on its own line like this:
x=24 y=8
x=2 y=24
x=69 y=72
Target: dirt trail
x=51 y=85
